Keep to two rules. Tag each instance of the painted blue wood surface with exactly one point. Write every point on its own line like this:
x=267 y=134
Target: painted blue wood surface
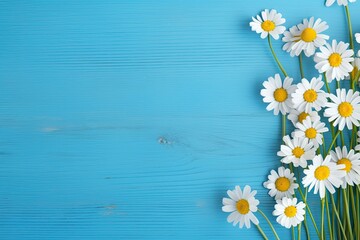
x=130 y=119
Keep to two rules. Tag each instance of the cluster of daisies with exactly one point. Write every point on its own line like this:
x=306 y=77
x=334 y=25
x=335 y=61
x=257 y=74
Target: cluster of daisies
x=315 y=112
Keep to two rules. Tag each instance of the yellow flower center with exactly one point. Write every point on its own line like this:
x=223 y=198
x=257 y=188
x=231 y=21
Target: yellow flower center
x=322 y=173
x=268 y=25
x=310 y=133
x=347 y=164
x=302 y=116
x=335 y=60
x=345 y=109
x=282 y=184
x=243 y=206
x=298 y=152
x=280 y=95
x=290 y=211
x=310 y=95
x=308 y=35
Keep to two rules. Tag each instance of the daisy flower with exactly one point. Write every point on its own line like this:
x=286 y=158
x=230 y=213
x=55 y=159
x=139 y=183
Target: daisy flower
x=335 y=60
x=241 y=204
x=268 y=23
x=344 y=108
x=351 y=160
x=281 y=183
x=356 y=65
x=357 y=36
x=339 y=2
x=289 y=212
x=296 y=116
x=288 y=39
x=309 y=95
x=306 y=37
x=277 y=94
x=296 y=151
x=312 y=131
x=323 y=174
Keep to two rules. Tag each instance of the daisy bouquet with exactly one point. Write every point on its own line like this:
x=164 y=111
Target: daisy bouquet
x=320 y=154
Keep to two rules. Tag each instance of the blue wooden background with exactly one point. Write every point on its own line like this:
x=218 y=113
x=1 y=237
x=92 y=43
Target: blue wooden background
x=129 y=119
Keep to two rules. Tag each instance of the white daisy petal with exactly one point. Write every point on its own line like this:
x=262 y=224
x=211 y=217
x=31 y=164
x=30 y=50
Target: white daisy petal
x=268 y=23
x=289 y=212
x=311 y=130
x=277 y=94
x=335 y=61
x=241 y=205
x=318 y=176
x=344 y=110
x=296 y=116
x=309 y=95
x=297 y=151
x=281 y=183
x=339 y=2
x=357 y=36
x=305 y=37
x=351 y=161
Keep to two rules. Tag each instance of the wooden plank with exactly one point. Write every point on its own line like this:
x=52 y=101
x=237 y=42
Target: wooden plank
x=131 y=119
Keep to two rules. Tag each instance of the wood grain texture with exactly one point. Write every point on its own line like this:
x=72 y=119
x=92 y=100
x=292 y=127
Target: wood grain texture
x=130 y=119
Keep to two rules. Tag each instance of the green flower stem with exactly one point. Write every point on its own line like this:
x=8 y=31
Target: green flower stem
x=306 y=228
x=326 y=84
x=350 y=27
x=333 y=222
x=322 y=218
x=283 y=125
x=333 y=142
x=297 y=172
x=342 y=138
x=270 y=224
x=332 y=129
x=310 y=214
x=338 y=217
x=305 y=221
x=292 y=169
x=328 y=217
x=275 y=57
x=347 y=212
x=341 y=194
x=353 y=136
x=338 y=208
x=338 y=84
x=292 y=233
x=262 y=232
x=299 y=231
x=301 y=66
x=355 y=215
